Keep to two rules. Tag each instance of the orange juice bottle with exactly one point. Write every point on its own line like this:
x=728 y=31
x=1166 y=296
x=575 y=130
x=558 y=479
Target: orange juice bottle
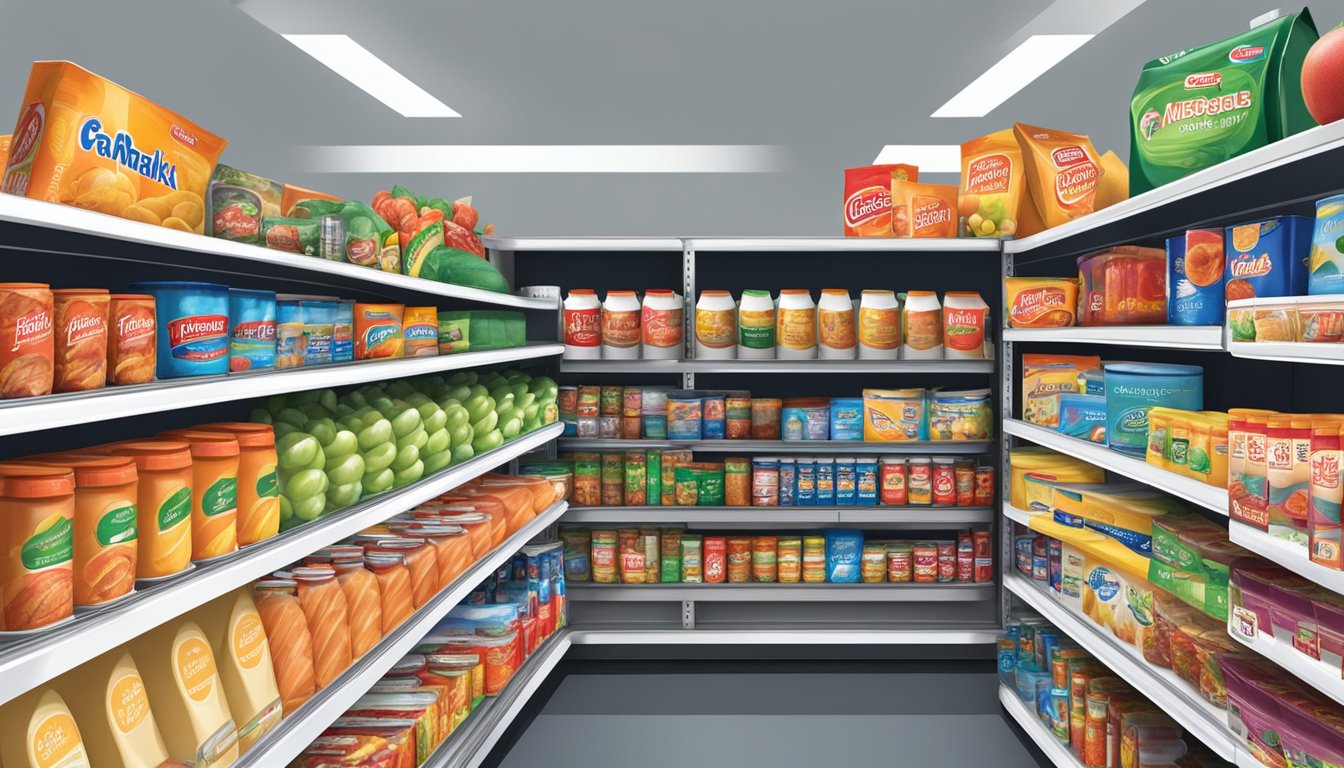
x=163 y=504
x=258 y=493
x=105 y=520
x=215 y=458
x=37 y=510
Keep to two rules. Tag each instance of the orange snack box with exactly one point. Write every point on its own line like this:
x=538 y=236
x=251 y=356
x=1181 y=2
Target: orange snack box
x=81 y=339
x=923 y=210
x=27 y=356
x=991 y=184
x=378 y=330
x=85 y=141
x=37 y=510
x=1063 y=172
x=131 y=348
x=1041 y=302
x=868 y=203
x=420 y=329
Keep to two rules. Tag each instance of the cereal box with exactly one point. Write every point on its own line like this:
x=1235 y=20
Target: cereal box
x=85 y=141
x=1045 y=378
x=867 y=209
x=1327 y=255
x=1195 y=273
x=1267 y=258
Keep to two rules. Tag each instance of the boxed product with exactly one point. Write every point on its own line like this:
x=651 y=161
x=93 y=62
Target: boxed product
x=923 y=210
x=894 y=414
x=1327 y=261
x=1083 y=416
x=1268 y=258
x=1195 y=275
x=1045 y=378
x=867 y=208
x=1041 y=302
x=1125 y=285
x=85 y=141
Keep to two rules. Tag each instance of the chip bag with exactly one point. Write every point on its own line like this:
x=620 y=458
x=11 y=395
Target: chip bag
x=923 y=210
x=867 y=210
x=1198 y=107
x=85 y=141
x=369 y=242
x=1063 y=172
x=4 y=150
x=991 y=184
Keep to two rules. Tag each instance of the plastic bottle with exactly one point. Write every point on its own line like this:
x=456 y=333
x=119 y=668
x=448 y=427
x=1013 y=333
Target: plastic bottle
x=620 y=326
x=756 y=326
x=964 y=314
x=181 y=676
x=583 y=325
x=796 y=325
x=243 y=655
x=835 y=325
x=661 y=326
x=922 y=324
x=716 y=326
x=40 y=717
x=879 y=326
x=107 y=698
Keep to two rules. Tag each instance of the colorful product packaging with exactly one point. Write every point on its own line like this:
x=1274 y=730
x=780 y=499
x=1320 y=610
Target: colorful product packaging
x=420 y=330
x=237 y=201
x=1045 y=378
x=867 y=204
x=193 y=327
x=251 y=329
x=991 y=184
x=1268 y=258
x=1124 y=285
x=846 y=418
x=923 y=210
x=1041 y=302
x=1083 y=416
x=378 y=330
x=1063 y=172
x=1195 y=275
x=1327 y=255
x=894 y=415
x=131 y=338
x=964 y=414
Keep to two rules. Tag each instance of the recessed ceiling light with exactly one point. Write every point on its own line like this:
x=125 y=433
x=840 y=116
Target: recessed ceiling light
x=930 y=158
x=1028 y=61
x=353 y=61
x=548 y=158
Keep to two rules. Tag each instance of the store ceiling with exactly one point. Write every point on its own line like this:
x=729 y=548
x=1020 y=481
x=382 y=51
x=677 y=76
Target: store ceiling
x=813 y=87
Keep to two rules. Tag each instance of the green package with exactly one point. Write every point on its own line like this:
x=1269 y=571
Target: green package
x=705 y=486
x=653 y=495
x=369 y=241
x=293 y=235
x=481 y=329
x=1180 y=569
x=1198 y=107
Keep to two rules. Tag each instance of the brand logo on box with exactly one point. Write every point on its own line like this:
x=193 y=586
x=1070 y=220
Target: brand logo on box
x=1203 y=80
x=1073 y=154
x=185 y=330
x=1246 y=53
x=256 y=330
x=867 y=204
x=122 y=149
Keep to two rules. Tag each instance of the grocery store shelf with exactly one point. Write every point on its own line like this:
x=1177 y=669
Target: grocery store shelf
x=825 y=447
x=299 y=728
x=775 y=517
x=1171 y=694
x=36 y=413
x=1249 y=182
x=777 y=366
x=583 y=243
x=1294 y=558
x=781 y=635
x=67 y=219
x=28 y=662
x=1056 y=751
x=1208 y=337
x=1317 y=674
x=1017 y=515
x=733 y=593
x=1204 y=495
x=1288 y=352
x=843 y=244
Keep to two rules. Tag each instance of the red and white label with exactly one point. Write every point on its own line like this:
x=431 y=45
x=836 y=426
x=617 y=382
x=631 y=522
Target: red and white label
x=989 y=174
x=133 y=327
x=1244 y=53
x=182 y=135
x=185 y=330
x=27 y=135
x=84 y=327
x=1064 y=157
x=661 y=327
x=1203 y=80
x=31 y=328
x=620 y=329
x=866 y=205
x=1076 y=182
x=583 y=327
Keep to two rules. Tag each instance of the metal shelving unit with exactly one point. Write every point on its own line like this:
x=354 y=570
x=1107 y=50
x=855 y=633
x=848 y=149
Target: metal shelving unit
x=30 y=661
x=1315 y=673
x=776 y=517
x=298 y=729
x=732 y=593
x=35 y=413
x=843 y=244
x=826 y=447
x=876 y=367
x=1202 y=337
x=1057 y=751
x=1292 y=557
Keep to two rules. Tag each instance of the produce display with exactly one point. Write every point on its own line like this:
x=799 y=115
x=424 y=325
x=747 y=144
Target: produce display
x=836 y=556
x=880 y=415
x=1097 y=715
x=334 y=451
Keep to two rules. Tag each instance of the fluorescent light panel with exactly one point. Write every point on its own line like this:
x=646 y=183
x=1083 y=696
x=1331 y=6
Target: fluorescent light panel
x=1028 y=61
x=931 y=158
x=550 y=158
x=353 y=61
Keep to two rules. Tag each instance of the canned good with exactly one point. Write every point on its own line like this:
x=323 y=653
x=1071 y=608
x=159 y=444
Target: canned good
x=846 y=482
x=737 y=482
x=919 y=480
x=765 y=416
x=611 y=400
x=825 y=482
x=636 y=479
x=692 y=562
x=944 y=481
x=714 y=551
x=613 y=479
x=789 y=560
x=765 y=483
x=653 y=484
x=964 y=481
x=947 y=561
x=632 y=399
x=899 y=563
x=587 y=405
x=924 y=562
x=737 y=418
x=965 y=558
x=608 y=427
x=873 y=563
x=893 y=480
x=739 y=559
x=587 y=480
x=984 y=486
x=567 y=403
x=814 y=559
x=788 y=482
x=764 y=562
x=713 y=421
x=631 y=426
x=604 y=557
x=984 y=556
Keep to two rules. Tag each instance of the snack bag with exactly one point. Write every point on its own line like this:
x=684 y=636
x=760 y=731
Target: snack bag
x=1198 y=107
x=867 y=208
x=1114 y=186
x=991 y=184
x=923 y=210
x=237 y=202
x=88 y=142
x=1063 y=172
x=292 y=195
x=4 y=149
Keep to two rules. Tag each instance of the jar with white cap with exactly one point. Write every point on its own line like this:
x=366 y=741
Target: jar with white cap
x=796 y=325
x=661 y=326
x=716 y=326
x=922 y=323
x=879 y=326
x=835 y=325
x=620 y=326
x=756 y=326
x=582 y=319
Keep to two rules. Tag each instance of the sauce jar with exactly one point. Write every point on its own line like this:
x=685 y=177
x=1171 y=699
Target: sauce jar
x=27 y=358
x=37 y=510
x=661 y=326
x=716 y=326
x=756 y=326
x=582 y=325
x=919 y=480
x=879 y=326
x=835 y=325
x=620 y=326
x=944 y=481
x=163 y=504
x=258 y=493
x=796 y=325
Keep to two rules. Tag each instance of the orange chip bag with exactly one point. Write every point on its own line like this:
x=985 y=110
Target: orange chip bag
x=4 y=149
x=868 y=201
x=1063 y=172
x=923 y=210
x=85 y=141
x=991 y=184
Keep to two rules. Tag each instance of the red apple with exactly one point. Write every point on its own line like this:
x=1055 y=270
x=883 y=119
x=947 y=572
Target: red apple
x=1323 y=77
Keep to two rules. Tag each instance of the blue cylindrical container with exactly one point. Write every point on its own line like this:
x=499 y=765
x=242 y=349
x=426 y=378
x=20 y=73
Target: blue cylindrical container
x=1133 y=388
x=805 y=484
x=825 y=482
x=788 y=482
x=846 y=482
x=193 y=327
x=251 y=329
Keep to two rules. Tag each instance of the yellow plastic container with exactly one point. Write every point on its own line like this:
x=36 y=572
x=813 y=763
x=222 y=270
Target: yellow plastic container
x=243 y=656
x=214 y=491
x=37 y=729
x=1049 y=465
x=107 y=697
x=181 y=676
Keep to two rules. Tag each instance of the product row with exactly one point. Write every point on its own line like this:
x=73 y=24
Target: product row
x=672 y=478
x=1090 y=710
x=881 y=415
x=881 y=325
x=670 y=555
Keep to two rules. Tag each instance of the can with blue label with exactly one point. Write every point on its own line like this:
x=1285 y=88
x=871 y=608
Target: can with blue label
x=193 y=327
x=1195 y=278
x=251 y=329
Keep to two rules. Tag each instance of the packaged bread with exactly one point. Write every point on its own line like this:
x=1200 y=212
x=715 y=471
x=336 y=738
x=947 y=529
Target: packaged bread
x=1063 y=172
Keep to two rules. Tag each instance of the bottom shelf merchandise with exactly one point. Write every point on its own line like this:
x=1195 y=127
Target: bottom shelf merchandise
x=837 y=556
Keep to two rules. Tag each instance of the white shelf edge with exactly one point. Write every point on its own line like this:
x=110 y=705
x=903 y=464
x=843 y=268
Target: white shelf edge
x=1206 y=337
x=842 y=244
x=1020 y=516
x=1287 y=555
x=1305 y=144
x=1171 y=694
x=39 y=213
x=581 y=636
x=50 y=411
x=825 y=447
x=777 y=366
x=1314 y=673
x=497 y=243
x=1186 y=488
x=1288 y=352
x=31 y=661
x=1057 y=752
x=776 y=592
x=784 y=516
x=297 y=731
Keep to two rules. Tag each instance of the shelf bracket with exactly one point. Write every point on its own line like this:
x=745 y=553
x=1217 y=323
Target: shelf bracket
x=688 y=614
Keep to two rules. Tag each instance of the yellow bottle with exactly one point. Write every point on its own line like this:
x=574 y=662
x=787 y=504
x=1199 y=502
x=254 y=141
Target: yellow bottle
x=108 y=698
x=38 y=731
x=180 y=673
x=244 y=658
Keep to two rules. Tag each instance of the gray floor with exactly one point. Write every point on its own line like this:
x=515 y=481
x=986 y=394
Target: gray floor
x=776 y=720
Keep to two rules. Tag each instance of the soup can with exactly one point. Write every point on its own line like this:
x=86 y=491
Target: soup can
x=899 y=564
x=739 y=559
x=947 y=561
x=892 y=478
x=964 y=478
x=944 y=481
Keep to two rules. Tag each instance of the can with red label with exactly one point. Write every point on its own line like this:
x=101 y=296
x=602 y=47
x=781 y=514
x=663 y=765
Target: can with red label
x=919 y=480
x=964 y=475
x=984 y=486
x=947 y=561
x=924 y=558
x=715 y=555
x=892 y=480
x=984 y=556
x=965 y=557
x=583 y=326
x=944 y=481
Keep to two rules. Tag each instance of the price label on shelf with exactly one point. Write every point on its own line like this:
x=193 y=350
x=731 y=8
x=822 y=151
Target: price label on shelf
x=1245 y=624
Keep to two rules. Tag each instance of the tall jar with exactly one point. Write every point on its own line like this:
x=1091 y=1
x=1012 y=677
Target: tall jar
x=835 y=325
x=582 y=318
x=716 y=326
x=661 y=326
x=756 y=326
x=964 y=314
x=923 y=326
x=796 y=325
x=27 y=313
x=81 y=339
x=620 y=326
x=879 y=326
